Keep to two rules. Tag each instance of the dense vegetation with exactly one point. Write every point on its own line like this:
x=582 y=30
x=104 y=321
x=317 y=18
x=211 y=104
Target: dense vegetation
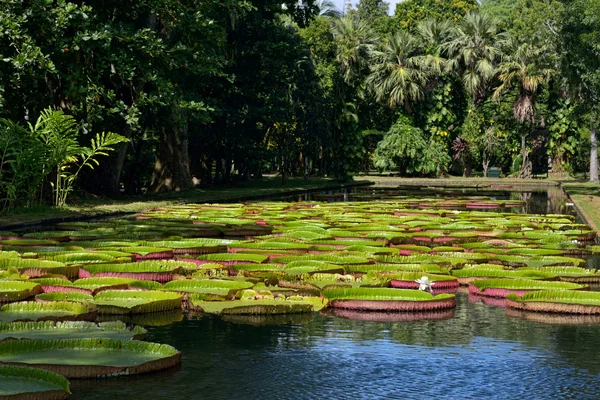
x=205 y=92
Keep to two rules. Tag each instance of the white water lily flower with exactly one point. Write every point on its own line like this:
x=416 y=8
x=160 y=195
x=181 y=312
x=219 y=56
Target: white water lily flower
x=424 y=284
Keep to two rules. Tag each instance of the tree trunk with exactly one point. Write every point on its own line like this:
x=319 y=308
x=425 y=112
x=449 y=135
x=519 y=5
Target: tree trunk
x=171 y=169
x=468 y=165
x=523 y=154
x=594 y=153
x=228 y=168
x=283 y=171
x=218 y=169
x=485 y=164
x=525 y=164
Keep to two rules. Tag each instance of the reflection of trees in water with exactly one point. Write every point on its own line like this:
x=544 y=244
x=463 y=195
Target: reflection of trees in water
x=472 y=321
x=579 y=345
x=557 y=200
x=526 y=197
x=550 y=201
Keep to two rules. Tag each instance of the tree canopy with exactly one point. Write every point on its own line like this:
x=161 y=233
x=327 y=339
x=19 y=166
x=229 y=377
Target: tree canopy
x=177 y=94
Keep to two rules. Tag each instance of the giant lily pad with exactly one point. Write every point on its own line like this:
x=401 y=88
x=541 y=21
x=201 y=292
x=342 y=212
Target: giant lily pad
x=207 y=286
x=136 y=301
x=37 y=268
x=90 y=358
x=502 y=287
x=557 y=301
x=385 y=299
x=251 y=302
x=161 y=271
x=97 y=285
x=69 y=330
x=44 y=311
x=17 y=382
x=17 y=290
x=77 y=297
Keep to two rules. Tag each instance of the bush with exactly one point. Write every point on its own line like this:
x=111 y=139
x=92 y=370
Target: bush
x=48 y=148
x=406 y=150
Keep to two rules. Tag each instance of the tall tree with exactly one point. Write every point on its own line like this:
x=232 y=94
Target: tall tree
x=399 y=71
x=410 y=13
x=519 y=69
x=581 y=65
x=370 y=10
x=476 y=47
x=355 y=41
x=327 y=8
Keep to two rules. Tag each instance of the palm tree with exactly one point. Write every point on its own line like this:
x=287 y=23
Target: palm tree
x=433 y=34
x=519 y=69
x=399 y=73
x=327 y=8
x=474 y=48
x=355 y=41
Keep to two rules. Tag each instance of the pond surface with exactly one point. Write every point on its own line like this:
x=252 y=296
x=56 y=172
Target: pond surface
x=477 y=352
x=551 y=200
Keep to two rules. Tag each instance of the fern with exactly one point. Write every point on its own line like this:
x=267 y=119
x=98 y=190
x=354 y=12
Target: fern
x=58 y=131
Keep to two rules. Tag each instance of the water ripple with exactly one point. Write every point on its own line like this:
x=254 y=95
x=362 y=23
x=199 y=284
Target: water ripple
x=479 y=353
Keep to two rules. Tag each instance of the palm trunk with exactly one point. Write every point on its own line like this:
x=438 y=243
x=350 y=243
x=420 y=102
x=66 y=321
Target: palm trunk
x=525 y=164
x=594 y=153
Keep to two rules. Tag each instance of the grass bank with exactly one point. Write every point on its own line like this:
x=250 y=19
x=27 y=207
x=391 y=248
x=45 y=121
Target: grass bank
x=89 y=206
x=586 y=197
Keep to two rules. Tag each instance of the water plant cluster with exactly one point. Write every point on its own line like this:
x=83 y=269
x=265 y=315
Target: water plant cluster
x=73 y=297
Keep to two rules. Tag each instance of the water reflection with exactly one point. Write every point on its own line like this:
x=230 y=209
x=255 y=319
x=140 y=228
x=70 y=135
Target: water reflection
x=480 y=351
x=553 y=318
x=551 y=200
x=391 y=316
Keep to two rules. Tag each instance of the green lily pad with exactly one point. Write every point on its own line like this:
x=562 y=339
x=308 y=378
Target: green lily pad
x=17 y=382
x=17 y=290
x=90 y=358
x=69 y=330
x=43 y=311
x=136 y=301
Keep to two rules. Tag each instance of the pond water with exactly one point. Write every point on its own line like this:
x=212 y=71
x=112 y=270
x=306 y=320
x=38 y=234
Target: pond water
x=475 y=351
x=551 y=200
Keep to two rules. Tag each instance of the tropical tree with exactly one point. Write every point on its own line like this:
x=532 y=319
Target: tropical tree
x=519 y=70
x=327 y=8
x=409 y=13
x=355 y=41
x=405 y=148
x=475 y=47
x=399 y=72
x=581 y=65
x=370 y=10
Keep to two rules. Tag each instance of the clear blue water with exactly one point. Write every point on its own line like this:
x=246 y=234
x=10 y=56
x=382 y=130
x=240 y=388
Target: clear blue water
x=477 y=352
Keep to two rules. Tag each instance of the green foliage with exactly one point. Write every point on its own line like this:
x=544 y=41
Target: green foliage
x=410 y=13
x=222 y=91
x=563 y=140
x=398 y=74
x=475 y=48
x=22 y=161
x=370 y=10
x=405 y=149
x=59 y=133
